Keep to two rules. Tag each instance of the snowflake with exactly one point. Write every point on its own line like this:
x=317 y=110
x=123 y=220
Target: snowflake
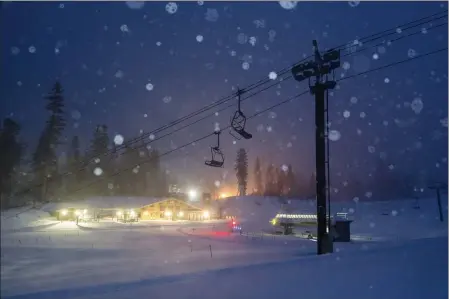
x=124 y=28
x=32 y=49
x=334 y=135
x=353 y=3
x=118 y=139
x=199 y=38
x=15 y=51
x=411 y=53
x=119 y=74
x=417 y=105
x=76 y=114
x=252 y=40
x=242 y=38
x=149 y=86
x=211 y=15
x=171 y=7
x=135 y=4
x=245 y=65
x=288 y=4
x=272 y=75
x=98 y=171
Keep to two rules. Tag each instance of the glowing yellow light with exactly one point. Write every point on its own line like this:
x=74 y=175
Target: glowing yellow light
x=168 y=213
x=206 y=214
x=64 y=212
x=181 y=214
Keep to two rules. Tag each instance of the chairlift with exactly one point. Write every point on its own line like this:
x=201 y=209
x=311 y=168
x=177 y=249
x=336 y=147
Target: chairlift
x=238 y=121
x=217 y=159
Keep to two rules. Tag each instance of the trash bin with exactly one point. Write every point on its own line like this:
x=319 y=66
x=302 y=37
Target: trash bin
x=342 y=231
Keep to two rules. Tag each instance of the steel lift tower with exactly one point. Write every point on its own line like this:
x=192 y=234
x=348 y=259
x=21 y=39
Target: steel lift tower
x=320 y=68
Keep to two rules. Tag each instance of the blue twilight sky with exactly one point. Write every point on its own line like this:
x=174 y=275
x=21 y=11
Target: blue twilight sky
x=106 y=53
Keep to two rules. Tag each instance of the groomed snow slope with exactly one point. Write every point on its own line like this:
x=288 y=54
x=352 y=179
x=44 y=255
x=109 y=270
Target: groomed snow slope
x=175 y=261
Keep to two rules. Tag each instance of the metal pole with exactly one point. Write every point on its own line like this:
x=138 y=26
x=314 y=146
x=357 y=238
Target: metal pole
x=440 y=209
x=320 y=164
x=328 y=165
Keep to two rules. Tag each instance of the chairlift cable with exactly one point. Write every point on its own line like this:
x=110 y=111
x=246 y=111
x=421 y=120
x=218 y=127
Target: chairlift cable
x=371 y=37
x=265 y=110
x=226 y=99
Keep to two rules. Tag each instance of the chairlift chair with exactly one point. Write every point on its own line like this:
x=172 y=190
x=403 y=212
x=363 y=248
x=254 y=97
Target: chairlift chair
x=217 y=159
x=238 y=121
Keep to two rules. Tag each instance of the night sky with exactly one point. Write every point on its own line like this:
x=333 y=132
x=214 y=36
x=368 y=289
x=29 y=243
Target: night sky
x=105 y=54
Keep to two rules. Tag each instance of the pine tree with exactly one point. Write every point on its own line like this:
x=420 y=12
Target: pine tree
x=10 y=155
x=312 y=186
x=74 y=164
x=270 y=181
x=44 y=158
x=280 y=182
x=290 y=182
x=100 y=164
x=258 y=178
x=241 y=171
x=157 y=176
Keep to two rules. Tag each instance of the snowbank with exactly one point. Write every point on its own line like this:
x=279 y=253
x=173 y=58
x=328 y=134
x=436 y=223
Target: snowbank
x=16 y=219
x=105 y=202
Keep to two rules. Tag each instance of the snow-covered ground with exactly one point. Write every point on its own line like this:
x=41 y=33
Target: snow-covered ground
x=201 y=260
x=25 y=218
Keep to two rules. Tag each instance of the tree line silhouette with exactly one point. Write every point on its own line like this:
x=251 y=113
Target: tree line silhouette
x=87 y=172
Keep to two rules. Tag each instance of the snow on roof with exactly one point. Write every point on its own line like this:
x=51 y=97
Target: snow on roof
x=105 y=202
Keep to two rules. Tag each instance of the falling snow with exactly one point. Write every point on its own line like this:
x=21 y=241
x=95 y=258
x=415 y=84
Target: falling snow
x=171 y=7
x=288 y=4
x=98 y=171
x=199 y=38
x=334 y=135
x=211 y=15
x=353 y=3
x=118 y=139
x=417 y=105
x=149 y=86
x=135 y=4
